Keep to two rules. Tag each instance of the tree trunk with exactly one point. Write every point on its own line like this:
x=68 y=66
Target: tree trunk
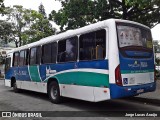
x=124 y=14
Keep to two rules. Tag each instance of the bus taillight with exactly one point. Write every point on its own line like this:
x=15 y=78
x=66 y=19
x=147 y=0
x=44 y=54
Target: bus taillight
x=118 y=77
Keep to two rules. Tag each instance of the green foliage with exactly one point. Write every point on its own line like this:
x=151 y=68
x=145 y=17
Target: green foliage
x=16 y=16
x=78 y=13
x=1 y=6
x=39 y=27
x=26 y=25
x=74 y=14
x=42 y=10
x=6 y=32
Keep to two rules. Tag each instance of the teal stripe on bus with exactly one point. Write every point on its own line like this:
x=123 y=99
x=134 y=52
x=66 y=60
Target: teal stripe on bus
x=34 y=73
x=135 y=71
x=84 y=79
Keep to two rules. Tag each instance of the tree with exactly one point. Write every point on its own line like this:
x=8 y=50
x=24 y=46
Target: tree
x=1 y=6
x=28 y=25
x=42 y=10
x=74 y=14
x=142 y=11
x=6 y=32
x=16 y=16
x=78 y=13
x=39 y=26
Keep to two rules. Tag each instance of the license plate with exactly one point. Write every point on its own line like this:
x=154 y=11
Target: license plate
x=140 y=90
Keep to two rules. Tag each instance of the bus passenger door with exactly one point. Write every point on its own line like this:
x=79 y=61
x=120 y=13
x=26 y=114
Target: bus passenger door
x=7 y=71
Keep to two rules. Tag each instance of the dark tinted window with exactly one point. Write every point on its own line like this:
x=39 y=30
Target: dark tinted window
x=35 y=55
x=54 y=52
x=46 y=53
x=92 y=45
x=15 y=59
x=23 y=60
x=49 y=53
x=7 y=64
x=67 y=50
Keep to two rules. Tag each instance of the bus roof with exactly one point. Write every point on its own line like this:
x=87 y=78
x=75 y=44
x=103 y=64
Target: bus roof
x=79 y=31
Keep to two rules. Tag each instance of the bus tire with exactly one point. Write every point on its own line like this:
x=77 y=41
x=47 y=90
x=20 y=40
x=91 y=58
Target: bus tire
x=15 y=89
x=54 y=93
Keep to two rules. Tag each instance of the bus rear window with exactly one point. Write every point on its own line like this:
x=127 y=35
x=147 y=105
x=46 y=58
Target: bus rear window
x=133 y=35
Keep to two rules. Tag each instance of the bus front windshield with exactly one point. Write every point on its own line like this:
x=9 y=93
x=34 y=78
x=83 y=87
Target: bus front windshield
x=130 y=35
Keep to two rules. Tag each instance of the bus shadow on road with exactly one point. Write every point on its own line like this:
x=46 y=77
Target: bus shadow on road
x=125 y=104
x=147 y=101
x=113 y=105
x=33 y=94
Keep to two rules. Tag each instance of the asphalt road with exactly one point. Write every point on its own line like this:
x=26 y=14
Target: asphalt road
x=33 y=101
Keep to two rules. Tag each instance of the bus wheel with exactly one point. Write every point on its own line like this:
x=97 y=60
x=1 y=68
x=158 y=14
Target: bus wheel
x=54 y=92
x=15 y=89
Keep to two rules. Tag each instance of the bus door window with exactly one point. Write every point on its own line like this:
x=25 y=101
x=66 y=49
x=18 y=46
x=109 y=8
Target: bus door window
x=7 y=64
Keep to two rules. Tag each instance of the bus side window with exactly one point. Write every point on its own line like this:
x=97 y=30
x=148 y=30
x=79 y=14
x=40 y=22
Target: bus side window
x=27 y=57
x=35 y=55
x=71 y=49
x=22 y=58
x=16 y=59
x=61 y=51
x=87 y=46
x=46 y=53
x=92 y=45
x=67 y=50
x=54 y=52
x=100 y=41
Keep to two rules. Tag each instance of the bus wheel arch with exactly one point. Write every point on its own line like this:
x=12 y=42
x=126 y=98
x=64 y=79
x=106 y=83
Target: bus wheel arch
x=53 y=91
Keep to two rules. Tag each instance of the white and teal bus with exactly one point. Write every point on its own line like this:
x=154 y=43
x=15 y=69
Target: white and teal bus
x=106 y=60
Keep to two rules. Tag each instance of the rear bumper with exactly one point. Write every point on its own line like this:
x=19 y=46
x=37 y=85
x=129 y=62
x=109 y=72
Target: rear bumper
x=126 y=91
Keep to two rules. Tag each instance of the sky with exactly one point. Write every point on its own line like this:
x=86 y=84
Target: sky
x=50 y=5
x=156 y=32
